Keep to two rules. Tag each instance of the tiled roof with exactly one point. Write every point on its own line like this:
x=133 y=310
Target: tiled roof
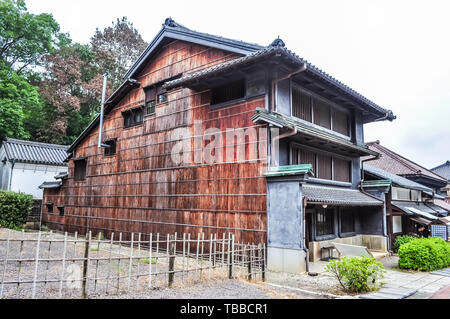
x=34 y=152
x=280 y=50
x=338 y=196
x=443 y=170
x=398 y=180
x=56 y=184
x=413 y=208
x=397 y=164
x=289 y=170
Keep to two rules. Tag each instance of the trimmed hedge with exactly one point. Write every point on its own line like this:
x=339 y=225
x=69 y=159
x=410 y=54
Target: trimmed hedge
x=357 y=274
x=425 y=254
x=400 y=240
x=14 y=209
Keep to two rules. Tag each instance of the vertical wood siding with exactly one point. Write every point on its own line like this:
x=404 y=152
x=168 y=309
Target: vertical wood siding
x=141 y=188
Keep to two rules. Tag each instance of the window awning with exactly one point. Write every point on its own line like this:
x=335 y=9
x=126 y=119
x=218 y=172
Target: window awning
x=324 y=195
x=411 y=208
x=421 y=221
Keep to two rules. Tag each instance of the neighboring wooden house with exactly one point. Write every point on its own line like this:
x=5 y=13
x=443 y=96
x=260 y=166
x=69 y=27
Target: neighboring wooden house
x=214 y=135
x=399 y=165
x=409 y=206
x=444 y=171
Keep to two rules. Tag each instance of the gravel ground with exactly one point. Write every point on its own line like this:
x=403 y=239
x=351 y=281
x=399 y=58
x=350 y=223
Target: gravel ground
x=190 y=288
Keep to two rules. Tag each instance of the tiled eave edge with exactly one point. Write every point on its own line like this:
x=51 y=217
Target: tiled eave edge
x=280 y=121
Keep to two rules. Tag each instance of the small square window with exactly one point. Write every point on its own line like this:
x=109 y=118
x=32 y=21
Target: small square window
x=80 y=170
x=49 y=207
x=61 y=210
x=111 y=149
x=162 y=98
x=133 y=117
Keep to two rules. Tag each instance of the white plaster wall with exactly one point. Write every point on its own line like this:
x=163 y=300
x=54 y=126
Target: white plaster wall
x=26 y=178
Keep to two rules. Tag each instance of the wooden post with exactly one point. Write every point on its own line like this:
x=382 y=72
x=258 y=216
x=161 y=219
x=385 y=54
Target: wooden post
x=230 y=256
x=130 y=264
x=5 y=263
x=184 y=257
x=20 y=262
x=139 y=261
x=263 y=262
x=150 y=248
x=196 y=255
x=223 y=255
x=96 y=263
x=63 y=265
x=86 y=264
x=33 y=294
x=118 y=263
x=249 y=264
x=210 y=255
x=172 y=261
x=109 y=261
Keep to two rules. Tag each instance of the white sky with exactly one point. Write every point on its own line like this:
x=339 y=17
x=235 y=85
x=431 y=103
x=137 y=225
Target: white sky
x=396 y=53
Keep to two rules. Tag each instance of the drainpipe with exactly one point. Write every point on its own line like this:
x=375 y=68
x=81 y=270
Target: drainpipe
x=305 y=249
x=13 y=162
x=100 y=144
x=382 y=118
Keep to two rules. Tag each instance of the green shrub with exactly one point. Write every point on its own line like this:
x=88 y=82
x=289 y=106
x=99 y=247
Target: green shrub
x=14 y=209
x=357 y=274
x=424 y=254
x=400 y=240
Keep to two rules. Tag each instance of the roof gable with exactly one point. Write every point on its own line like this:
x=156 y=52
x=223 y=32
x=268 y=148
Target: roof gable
x=174 y=30
x=443 y=170
x=399 y=165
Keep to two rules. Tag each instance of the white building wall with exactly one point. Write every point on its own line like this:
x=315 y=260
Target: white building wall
x=26 y=178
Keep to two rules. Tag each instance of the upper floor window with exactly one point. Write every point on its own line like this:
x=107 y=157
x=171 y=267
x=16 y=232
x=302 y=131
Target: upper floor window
x=133 y=117
x=111 y=149
x=154 y=95
x=80 y=169
x=228 y=92
x=324 y=166
x=315 y=110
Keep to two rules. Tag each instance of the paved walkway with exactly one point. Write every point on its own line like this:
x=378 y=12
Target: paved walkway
x=442 y=294
x=408 y=284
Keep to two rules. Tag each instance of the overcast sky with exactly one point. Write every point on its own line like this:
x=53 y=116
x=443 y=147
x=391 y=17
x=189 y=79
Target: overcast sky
x=396 y=53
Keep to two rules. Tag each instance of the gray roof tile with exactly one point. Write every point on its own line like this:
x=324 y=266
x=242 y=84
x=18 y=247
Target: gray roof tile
x=34 y=152
x=338 y=196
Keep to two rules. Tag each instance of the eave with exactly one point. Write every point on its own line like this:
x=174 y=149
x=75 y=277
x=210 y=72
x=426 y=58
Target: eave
x=312 y=136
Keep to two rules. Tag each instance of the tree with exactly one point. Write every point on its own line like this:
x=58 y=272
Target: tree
x=116 y=48
x=25 y=37
x=18 y=99
x=71 y=88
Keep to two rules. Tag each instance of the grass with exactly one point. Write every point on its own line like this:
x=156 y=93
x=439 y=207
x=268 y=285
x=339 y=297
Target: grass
x=146 y=260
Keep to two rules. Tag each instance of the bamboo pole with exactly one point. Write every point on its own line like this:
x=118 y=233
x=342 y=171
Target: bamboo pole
x=63 y=265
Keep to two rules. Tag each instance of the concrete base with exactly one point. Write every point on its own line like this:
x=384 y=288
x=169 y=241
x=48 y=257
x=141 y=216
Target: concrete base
x=286 y=260
x=372 y=242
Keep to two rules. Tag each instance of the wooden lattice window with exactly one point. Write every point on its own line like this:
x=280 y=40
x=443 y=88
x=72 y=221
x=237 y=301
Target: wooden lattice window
x=301 y=105
x=340 y=122
x=324 y=221
x=322 y=114
x=342 y=170
x=324 y=169
x=133 y=117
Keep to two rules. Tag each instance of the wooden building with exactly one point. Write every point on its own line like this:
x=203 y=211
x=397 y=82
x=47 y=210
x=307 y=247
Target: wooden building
x=214 y=135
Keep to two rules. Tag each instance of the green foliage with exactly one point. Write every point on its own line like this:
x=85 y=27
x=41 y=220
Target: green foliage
x=357 y=274
x=146 y=260
x=425 y=254
x=18 y=101
x=14 y=209
x=400 y=240
x=25 y=37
